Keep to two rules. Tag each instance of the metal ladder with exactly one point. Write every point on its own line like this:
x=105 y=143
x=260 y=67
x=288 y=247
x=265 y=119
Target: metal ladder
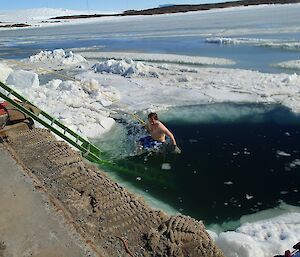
x=88 y=150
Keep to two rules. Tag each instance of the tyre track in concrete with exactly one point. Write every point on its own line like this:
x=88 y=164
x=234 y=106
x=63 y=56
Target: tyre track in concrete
x=112 y=220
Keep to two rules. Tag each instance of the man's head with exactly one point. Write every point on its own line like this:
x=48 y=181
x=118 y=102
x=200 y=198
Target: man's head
x=152 y=117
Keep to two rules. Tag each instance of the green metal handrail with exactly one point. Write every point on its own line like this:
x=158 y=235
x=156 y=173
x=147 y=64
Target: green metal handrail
x=89 y=151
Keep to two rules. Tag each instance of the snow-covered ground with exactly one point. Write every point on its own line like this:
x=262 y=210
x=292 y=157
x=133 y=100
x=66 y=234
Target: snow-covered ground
x=264 y=234
x=86 y=88
x=262 y=238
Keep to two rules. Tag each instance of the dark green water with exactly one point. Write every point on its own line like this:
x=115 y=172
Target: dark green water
x=229 y=167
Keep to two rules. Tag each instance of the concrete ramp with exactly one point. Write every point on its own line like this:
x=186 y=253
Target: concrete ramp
x=29 y=225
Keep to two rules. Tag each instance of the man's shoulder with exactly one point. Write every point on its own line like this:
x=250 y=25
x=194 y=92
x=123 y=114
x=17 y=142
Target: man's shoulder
x=161 y=125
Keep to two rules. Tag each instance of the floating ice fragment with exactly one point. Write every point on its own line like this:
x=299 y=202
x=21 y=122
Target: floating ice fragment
x=282 y=153
x=166 y=166
x=126 y=68
x=22 y=79
x=58 y=56
x=290 y=78
x=295 y=163
x=248 y=197
x=284 y=192
x=53 y=84
x=184 y=79
x=107 y=123
x=4 y=72
x=66 y=86
x=106 y=103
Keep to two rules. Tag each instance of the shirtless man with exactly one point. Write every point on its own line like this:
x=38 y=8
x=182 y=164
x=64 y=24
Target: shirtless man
x=158 y=131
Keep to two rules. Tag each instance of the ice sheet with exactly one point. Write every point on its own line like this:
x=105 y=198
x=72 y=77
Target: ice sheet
x=175 y=85
x=274 y=43
x=292 y=64
x=164 y=58
x=261 y=236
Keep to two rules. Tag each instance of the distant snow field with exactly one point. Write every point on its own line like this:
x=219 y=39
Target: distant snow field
x=33 y=16
x=37 y=16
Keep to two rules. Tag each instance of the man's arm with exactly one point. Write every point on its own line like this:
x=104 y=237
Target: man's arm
x=163 y=128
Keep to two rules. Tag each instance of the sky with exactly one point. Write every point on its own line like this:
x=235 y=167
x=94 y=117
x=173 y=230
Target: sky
x=111 y=5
